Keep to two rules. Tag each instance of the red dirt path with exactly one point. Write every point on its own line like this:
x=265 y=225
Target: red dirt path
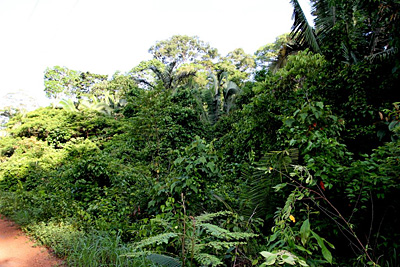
x=16 y=250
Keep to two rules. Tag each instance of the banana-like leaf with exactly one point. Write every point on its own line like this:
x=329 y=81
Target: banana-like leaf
x=68 y=105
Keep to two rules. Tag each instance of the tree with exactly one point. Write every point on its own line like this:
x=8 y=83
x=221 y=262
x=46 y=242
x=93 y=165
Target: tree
x=242 y=61
x=174 y=60
x=61 y=82
x=91 y=84
x=120 y=84
x=237 y=65
x=181 y=49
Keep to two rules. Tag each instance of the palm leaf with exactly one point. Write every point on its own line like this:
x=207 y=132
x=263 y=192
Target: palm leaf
x=388 y=53
x=267 y=173
x=348 y=55
x=325 y=18
x=302 y=32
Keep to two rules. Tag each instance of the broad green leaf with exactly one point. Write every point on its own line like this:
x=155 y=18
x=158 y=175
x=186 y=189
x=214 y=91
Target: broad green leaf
x=305 y=232
x=202 y=159
x=178 y=161
x=393 y=125
x=288 y=259
x=303 y=263
x=303 y=249
x=270 y=258
x=289 y=122
x=211 y=166
x=325 y=252
x=279 y=186
x=273 y=237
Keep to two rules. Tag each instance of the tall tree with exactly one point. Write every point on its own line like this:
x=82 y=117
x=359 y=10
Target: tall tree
x=61 y=82
x=174 y=60
x=237 y=64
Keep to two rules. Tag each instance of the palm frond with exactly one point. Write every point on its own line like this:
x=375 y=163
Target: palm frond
x=325 y=18
x=302 y=32
x=267 y=173
x=383 y=55
x=348 y=55
x=182 y=75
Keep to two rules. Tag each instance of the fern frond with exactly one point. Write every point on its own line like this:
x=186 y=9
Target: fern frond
x=223 y=233
x=221 y=245
x=210 y=216
x=154 y=240
x=207 y=260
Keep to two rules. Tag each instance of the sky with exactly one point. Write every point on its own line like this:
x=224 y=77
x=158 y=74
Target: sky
x=105 y=36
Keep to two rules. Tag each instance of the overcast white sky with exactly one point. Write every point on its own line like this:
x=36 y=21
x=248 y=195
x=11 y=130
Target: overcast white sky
x=103 y=36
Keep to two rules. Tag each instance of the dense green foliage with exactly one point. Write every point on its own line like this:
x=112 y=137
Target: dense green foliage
x=194 y=159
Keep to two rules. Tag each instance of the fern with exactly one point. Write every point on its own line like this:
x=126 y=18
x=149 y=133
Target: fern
x=223 y=233
x=220 y=245
x=154 y=240
x=207 y=260
x=195 y=240
x=210 y=216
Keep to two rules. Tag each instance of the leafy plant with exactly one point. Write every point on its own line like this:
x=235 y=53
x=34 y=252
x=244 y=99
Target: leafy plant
x=199 y=240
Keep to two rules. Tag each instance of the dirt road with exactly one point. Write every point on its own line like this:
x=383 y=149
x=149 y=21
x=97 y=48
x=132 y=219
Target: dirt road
x=16 y=250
